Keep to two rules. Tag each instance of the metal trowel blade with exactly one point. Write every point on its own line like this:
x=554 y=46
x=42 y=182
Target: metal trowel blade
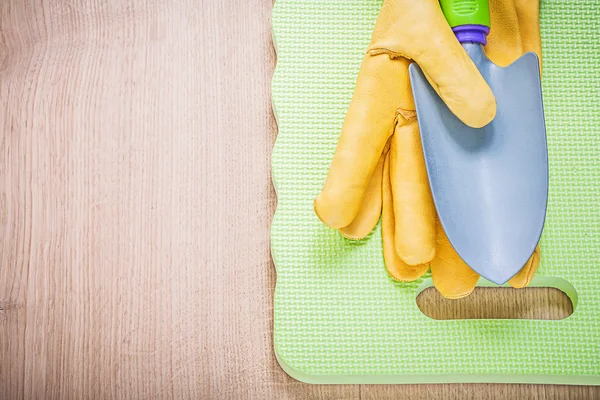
x=489 y=185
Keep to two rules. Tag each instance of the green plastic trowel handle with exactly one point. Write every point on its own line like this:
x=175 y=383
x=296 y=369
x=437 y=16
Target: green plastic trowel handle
x=466 y=12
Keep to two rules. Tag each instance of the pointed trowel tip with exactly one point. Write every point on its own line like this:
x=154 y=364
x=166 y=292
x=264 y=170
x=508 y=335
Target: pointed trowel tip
x=499 y=276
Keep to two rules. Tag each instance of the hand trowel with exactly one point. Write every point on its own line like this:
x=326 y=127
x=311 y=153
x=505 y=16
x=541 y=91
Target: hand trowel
x=490 y=184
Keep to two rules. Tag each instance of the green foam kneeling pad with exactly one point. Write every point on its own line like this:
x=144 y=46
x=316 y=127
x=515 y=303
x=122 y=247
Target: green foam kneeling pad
x=338 y=316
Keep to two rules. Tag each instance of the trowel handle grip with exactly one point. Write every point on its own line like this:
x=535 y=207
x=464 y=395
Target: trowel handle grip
x=469 y=19
x=466 y=12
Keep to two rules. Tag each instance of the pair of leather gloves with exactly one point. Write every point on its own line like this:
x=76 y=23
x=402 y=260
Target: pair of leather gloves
x=378 y=169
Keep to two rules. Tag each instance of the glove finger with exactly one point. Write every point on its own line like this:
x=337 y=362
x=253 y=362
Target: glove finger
x=367 y=127
x=397 y=268
x=418 y=30
x=414 y=209
x=504 y=41
x=525 y=275
x=528 y=13
x=370 y=209
x=452 y=277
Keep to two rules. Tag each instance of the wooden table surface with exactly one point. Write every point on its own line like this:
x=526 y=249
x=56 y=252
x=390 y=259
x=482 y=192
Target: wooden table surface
x=135 y=209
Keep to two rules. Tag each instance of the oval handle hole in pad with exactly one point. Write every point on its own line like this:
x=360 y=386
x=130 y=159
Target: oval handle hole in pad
x=540 y=303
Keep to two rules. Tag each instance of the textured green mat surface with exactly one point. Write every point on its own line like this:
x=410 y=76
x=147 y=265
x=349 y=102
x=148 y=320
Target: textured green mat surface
x=338 y=316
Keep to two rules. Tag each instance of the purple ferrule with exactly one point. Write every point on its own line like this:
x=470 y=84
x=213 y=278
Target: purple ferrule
x=472 y=33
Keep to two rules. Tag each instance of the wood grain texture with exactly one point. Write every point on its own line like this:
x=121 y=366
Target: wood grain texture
x=136 y=202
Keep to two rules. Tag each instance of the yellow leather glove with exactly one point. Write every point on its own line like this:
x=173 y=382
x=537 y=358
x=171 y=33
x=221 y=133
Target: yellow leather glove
x=363 y=178
x=405 y=29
